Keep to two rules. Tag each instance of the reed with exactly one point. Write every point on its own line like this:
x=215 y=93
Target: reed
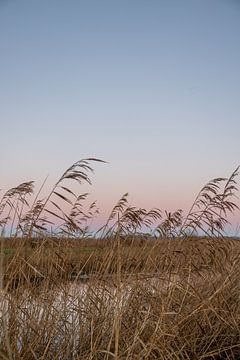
x=148 y=284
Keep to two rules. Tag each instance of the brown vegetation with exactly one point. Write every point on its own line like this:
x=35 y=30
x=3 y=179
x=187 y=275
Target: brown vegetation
x=121 y=294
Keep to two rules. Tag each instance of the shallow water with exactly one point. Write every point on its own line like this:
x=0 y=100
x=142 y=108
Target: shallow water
x=68 y=310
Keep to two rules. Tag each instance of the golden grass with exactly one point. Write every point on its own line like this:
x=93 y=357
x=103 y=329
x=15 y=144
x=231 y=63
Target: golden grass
x=122 y=294
x=144 y=301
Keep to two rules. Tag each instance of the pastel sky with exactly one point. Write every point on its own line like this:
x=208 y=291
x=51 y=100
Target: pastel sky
x=151 y=86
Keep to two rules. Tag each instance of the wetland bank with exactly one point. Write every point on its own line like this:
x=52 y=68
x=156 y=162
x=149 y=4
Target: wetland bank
x=171 y=292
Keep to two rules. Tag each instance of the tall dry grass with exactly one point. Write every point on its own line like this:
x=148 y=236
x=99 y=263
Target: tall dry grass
x=164 y=293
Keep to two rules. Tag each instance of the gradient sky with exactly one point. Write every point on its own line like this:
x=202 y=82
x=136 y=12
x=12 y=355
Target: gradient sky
x=151 y=86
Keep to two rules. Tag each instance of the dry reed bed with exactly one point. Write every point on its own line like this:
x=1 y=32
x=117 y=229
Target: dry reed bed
x=65 y=259
x=169 y=295
x=140 y=312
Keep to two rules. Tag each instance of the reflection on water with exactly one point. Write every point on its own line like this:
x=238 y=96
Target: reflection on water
x=70 y=307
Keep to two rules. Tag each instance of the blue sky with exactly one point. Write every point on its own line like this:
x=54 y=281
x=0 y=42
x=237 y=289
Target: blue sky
x=153 y=87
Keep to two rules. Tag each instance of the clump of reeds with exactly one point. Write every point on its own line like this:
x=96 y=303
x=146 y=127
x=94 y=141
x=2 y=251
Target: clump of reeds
x=144 y=287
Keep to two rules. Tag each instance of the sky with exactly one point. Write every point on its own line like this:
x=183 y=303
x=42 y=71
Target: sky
x=150 y=86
